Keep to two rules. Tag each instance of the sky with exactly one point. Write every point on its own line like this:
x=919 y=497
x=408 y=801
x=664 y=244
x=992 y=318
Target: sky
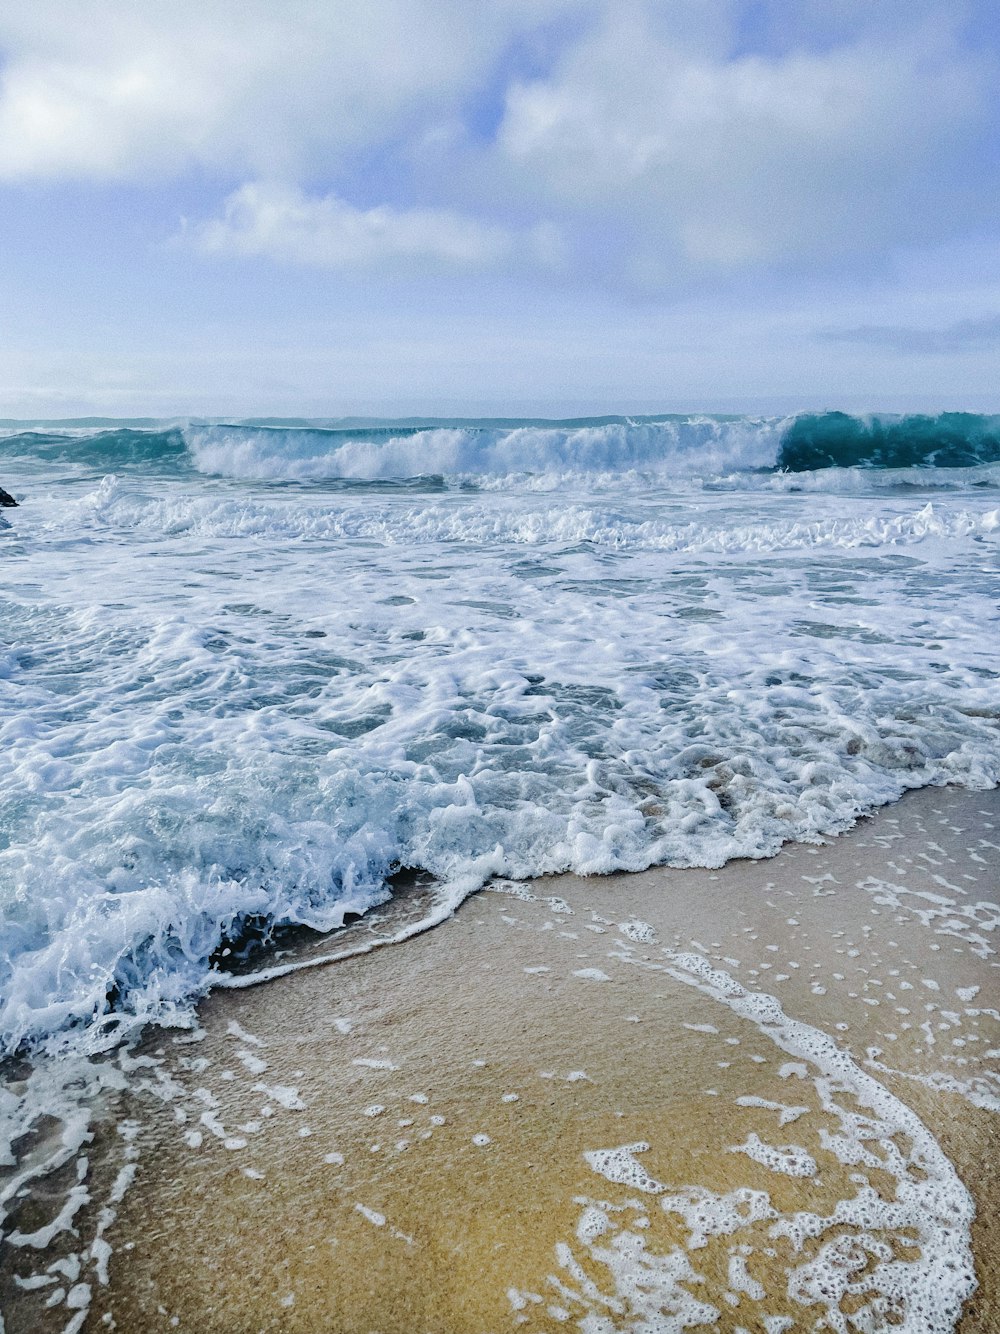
x=329 y=207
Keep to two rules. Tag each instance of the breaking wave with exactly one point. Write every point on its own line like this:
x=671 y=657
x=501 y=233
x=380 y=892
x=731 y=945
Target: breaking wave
x=836 y=440
x=669 y=447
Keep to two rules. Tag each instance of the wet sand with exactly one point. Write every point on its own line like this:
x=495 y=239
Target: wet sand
x=419 y=1138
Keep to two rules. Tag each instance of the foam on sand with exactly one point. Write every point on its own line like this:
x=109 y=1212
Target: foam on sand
x=734 y=1156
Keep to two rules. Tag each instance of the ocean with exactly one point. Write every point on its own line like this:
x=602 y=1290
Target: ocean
x=250 y=672
x=260 y=680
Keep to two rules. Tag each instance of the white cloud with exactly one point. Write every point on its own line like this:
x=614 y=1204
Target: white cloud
x=113 y=90
x=704 y=158
x=664 y=140
x=283 y=223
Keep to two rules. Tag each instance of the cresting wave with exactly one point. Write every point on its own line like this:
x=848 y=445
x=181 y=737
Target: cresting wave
x=671 y=446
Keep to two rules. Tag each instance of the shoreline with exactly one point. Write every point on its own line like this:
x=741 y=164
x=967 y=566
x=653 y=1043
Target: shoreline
x=446 y=1136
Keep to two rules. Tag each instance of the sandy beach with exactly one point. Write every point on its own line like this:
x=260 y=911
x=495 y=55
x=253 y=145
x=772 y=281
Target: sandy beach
x=570 y=1107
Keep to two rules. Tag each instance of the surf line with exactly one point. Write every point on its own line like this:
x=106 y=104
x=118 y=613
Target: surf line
x=452 y=895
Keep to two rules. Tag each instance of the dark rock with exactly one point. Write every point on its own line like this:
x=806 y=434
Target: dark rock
x=7 y=501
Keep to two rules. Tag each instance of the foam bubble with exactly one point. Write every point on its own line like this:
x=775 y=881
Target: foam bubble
x=790 y=1159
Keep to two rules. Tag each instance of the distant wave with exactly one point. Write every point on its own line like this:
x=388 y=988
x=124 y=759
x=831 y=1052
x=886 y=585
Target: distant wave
x=668 y=447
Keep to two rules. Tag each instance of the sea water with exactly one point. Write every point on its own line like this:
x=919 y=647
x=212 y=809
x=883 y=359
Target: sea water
x=250 y=671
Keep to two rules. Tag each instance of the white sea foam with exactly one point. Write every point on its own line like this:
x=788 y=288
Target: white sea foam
x=790 y=1159
x=526 y=521
x=902 y=1257
x=227 y=707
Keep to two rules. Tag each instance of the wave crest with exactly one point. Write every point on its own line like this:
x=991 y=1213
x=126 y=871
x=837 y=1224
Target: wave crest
x=666 y=448
x=674 y=446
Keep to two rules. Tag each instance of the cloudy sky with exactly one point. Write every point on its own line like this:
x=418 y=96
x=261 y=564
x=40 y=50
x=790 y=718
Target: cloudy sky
x=334 y=206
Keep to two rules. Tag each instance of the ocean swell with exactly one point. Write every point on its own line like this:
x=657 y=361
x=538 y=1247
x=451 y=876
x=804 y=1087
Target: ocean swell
x=677 y=446
x=107 y=450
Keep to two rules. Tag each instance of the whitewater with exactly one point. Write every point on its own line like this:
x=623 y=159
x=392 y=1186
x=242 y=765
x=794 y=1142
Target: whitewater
x=250 y=672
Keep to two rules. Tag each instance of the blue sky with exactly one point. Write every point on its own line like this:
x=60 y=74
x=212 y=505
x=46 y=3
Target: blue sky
x=547 y=206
